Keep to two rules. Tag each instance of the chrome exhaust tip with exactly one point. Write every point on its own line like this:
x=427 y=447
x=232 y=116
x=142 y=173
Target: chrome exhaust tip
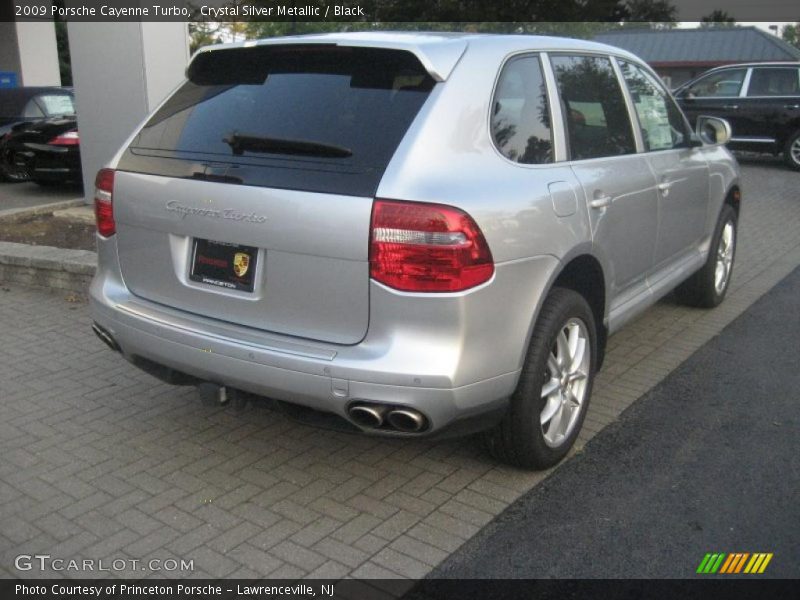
x=367 y=416
x=106 y=337
x=406 y=420
x=213 y=394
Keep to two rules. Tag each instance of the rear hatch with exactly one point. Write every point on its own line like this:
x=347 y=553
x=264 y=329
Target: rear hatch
x=247 y=195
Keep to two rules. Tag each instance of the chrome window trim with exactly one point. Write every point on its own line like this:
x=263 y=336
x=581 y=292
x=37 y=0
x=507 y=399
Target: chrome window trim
x=746 y=83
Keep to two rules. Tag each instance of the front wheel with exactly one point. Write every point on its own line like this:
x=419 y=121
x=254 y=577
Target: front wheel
x=707 y=288
x=791 y=152
x=549 y=405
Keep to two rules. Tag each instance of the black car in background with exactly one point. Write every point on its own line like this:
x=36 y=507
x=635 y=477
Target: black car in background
x=38 y=135
x=761 y=101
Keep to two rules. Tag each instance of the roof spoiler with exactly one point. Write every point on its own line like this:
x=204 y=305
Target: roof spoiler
x=438 y=54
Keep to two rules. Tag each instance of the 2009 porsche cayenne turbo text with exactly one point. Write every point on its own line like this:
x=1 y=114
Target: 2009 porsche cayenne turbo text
x=410 y=235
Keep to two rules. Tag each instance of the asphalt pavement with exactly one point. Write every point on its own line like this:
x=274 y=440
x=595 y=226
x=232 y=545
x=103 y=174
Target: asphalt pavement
x=708 y=461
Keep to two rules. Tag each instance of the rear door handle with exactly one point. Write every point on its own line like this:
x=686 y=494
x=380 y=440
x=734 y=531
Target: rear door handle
x=731 y=107
x=791 y=106
x=600 y=200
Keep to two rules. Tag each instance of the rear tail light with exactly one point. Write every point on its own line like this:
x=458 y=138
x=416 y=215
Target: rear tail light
x=417 y=247
x=68 y=138
x=103 y=202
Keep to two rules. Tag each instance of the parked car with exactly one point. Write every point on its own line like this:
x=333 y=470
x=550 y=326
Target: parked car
x=761 y=101
x=46 y=151
x=20 y=107
x=415 y=235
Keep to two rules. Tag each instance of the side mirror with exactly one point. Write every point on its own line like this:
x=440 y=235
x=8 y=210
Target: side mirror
x=713 y=130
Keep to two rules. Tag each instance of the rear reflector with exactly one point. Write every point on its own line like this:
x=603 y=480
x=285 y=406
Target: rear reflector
x=103 y=202
x=68 y=138
x=416 y=247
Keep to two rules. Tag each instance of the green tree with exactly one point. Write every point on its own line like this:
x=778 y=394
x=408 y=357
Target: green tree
x=656 y=14
x=62 y=46
x=791 y=34
x=717 y=18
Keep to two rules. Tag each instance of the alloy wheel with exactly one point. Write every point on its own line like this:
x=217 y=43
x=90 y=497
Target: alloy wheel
x=724 y=265
x=565 y=384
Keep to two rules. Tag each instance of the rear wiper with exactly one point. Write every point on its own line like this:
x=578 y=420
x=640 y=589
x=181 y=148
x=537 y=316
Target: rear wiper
x=248 y=143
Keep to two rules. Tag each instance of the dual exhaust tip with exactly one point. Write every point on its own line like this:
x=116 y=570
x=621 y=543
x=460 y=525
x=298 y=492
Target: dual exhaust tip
x=381 y=416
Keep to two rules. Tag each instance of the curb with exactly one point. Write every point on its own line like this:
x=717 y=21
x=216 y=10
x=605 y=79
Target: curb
x=47 y=267
x=41 y=209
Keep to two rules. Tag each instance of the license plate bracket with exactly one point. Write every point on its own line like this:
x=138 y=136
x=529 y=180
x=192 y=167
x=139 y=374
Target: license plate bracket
x=225 y=265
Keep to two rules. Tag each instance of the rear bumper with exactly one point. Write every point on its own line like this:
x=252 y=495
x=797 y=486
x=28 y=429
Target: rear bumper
x=391 y=365
x=53 y=163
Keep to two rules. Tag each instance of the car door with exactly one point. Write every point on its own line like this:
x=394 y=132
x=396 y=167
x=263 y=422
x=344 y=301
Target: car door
x=680 y=169
x=617 y=182
x=717 y=94
x=771 y=101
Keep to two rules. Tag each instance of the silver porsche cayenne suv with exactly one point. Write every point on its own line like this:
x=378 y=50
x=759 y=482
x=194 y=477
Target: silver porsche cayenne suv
x=409 y=234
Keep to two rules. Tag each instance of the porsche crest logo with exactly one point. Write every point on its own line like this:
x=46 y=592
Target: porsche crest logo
x=241 y=262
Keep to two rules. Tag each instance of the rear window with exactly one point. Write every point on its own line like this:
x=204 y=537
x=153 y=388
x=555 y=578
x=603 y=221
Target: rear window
x=57 y=105
x=339 y=113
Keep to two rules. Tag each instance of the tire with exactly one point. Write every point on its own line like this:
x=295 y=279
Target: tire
x=704 y=289
x=791 y=151
x=9 y=171
x=521 y=439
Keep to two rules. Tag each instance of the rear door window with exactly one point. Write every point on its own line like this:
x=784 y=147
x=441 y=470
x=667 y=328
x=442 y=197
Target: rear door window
x=338 y=113
x=774 y=81
x=520 y=113
x=594 y=107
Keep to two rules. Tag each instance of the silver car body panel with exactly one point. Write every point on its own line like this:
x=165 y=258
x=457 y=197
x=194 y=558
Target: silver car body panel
x=311 y=275
x=448 y=354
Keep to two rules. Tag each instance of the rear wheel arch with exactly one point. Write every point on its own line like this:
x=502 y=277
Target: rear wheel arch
x=584 y=274
x=788 y=130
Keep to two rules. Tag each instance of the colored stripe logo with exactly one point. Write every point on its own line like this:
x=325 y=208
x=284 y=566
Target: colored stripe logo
x=733 y=563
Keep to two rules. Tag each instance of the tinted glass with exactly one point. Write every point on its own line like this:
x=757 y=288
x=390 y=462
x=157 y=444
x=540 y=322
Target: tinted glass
x=721 y=84
x=774 y=82
x=520 y=113
x=594 y=107
x=357 y=99
x=661 y=121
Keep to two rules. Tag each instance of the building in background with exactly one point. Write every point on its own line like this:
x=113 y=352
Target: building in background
x=679 y=55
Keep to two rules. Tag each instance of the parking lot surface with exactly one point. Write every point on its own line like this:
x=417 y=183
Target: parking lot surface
x=20 y=196
x=102 y=461
x=705 y=462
